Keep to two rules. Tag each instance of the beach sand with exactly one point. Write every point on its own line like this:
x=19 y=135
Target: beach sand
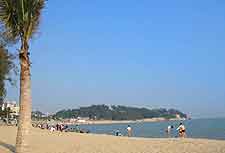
x=43 y=141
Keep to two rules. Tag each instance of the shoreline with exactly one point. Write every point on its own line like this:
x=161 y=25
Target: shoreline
x=99 y=122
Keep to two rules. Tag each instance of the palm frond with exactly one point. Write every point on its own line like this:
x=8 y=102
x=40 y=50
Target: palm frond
x=8 y=18
x=21 y=17
x=34 y=15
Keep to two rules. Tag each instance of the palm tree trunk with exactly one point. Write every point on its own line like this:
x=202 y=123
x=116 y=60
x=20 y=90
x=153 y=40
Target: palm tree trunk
x=25 y=102
x=7 y=116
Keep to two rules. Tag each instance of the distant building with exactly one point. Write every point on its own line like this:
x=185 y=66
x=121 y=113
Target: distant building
x=38 y=114
x=178 y=116
x=82 y=119
x=12 y=105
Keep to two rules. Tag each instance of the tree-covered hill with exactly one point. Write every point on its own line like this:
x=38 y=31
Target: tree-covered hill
x=113 y=112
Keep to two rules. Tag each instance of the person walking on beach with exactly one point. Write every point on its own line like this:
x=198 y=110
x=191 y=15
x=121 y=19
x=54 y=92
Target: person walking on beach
x=129 y=131
x=181 y=130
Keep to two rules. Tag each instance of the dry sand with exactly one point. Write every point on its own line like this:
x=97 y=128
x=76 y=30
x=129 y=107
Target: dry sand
x=42 y=141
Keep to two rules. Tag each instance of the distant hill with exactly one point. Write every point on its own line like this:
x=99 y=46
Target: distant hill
x=98 y=112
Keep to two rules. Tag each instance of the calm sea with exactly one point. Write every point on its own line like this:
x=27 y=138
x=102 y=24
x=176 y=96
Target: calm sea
x=196 y=128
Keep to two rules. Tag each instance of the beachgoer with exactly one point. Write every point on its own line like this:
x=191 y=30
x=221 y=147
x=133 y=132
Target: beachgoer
x=61 y=127
x=57 y=126
x=47 y=126
x=65 y=127
x=168 y=130
x=181 y=130
x=52 y=129
x=129 y=131
x=77 y=128
x=118 y=133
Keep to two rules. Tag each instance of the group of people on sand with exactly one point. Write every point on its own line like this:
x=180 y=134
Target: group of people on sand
x=52 y=128
x=180 y=129
x=60 y=127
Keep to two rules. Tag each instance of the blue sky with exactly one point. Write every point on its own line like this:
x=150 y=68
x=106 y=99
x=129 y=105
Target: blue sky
x=141 y=53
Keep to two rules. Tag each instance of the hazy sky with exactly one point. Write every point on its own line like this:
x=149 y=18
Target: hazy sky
x=143 y=53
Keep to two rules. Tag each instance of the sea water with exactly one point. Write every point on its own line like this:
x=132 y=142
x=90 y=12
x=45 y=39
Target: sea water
x=195 y=128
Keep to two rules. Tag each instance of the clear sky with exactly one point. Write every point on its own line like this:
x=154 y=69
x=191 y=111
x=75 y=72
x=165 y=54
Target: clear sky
x=144 y=53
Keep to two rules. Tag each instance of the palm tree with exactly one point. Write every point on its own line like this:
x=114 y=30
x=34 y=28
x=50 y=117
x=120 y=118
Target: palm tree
x=20 y=19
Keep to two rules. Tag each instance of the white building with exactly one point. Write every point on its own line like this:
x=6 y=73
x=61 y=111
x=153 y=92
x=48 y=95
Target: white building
x=12 y=105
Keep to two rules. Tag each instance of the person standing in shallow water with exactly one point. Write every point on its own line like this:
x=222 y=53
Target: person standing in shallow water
x=181 y=130
x=118 y=133
x=168 y=130
x=129 y=131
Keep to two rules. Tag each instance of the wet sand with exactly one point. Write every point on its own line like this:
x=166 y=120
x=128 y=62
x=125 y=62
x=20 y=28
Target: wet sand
x=43 y=141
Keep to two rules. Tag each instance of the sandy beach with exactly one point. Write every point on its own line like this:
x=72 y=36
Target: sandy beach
x=43 y=141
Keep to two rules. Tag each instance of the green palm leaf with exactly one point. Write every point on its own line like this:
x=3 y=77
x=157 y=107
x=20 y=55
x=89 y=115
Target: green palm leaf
x=21 y=17
x=8 y=18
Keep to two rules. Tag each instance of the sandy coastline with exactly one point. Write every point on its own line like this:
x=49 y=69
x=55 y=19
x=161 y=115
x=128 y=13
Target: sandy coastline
x=43 y=141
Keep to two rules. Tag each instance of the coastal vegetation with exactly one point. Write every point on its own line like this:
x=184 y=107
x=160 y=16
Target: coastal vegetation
x=20 y=21
x=7 y=68
x=104 y=112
